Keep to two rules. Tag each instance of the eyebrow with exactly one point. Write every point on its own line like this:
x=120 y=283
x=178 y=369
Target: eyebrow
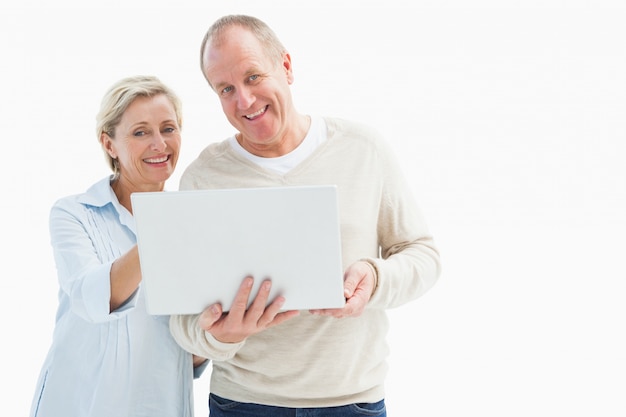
x=218 y=86
x=252 y=71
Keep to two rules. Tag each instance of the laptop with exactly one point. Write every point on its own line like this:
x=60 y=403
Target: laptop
x=196 y=247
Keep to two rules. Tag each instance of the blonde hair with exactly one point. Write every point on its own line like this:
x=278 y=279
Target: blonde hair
x=117 y=99
x=272 y=46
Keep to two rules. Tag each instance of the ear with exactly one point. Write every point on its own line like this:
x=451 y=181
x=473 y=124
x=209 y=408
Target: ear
x=107 y=144
x=287 y=67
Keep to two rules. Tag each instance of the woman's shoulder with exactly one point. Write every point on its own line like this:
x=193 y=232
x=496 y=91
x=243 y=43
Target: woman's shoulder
x=97 y=195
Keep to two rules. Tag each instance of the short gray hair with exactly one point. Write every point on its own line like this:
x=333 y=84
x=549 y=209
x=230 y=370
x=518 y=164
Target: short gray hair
x=273 y=47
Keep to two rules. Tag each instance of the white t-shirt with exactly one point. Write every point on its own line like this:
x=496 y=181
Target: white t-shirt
x=283 y=164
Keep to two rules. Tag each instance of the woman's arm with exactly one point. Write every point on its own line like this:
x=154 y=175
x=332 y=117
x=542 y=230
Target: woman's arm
x=125 y=278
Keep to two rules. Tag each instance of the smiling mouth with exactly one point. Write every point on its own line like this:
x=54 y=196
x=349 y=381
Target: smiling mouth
x=158 y=160
x=255 y=114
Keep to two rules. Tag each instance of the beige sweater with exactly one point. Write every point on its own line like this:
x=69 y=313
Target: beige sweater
x=312 y=361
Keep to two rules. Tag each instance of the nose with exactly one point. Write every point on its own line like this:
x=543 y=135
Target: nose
x=245 y=98
x=158 y=142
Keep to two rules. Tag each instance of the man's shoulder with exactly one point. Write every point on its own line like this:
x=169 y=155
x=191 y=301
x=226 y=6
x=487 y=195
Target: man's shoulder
x=352 y=130
x=215 y=149
x=210 y=153
x=215 y=157
x=340 y=123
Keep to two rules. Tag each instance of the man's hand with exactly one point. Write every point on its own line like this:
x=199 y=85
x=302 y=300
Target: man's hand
x=359 y=282
x=241 y=322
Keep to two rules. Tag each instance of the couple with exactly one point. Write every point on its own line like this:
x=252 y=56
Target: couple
x=110 y=358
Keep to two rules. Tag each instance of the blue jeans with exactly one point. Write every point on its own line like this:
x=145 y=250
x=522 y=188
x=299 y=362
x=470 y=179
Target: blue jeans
x=222 y=407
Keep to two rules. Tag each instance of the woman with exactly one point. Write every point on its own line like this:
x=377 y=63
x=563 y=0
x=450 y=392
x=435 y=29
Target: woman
x=108 y=356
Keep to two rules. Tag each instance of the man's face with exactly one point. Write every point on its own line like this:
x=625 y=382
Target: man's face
x=253 y=90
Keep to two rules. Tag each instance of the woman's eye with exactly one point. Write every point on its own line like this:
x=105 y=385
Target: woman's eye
x=139 y=133
x=168 y=130
x=227 y=90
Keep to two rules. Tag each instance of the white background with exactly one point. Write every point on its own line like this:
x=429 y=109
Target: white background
x=508 y=118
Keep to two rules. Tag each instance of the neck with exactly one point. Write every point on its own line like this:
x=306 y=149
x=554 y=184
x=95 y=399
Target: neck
x=290 y=139
x=123 y=189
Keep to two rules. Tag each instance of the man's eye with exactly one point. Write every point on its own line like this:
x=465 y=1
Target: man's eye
x=253 y=77
x=227 y=90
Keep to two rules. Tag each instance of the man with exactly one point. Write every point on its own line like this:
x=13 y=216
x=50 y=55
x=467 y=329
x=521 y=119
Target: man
x=268 y=362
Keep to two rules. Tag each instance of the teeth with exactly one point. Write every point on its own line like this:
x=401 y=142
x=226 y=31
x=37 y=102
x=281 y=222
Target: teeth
x=156 y=160
x=253 y=115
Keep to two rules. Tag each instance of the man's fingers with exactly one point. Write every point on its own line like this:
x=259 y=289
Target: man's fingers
x=260 y=301
x=240 y=303
x=209 y=316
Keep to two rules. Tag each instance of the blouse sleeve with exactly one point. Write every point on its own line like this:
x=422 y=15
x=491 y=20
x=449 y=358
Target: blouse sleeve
x=85 y=243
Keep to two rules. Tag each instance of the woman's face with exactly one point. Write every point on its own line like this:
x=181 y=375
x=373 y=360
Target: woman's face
x=146 y=144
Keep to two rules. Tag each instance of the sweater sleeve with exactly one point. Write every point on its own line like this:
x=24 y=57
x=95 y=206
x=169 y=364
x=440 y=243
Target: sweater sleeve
x=409 y=262
x=192 y=338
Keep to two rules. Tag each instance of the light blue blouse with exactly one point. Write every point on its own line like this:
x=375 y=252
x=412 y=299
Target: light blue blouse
x=123 y=363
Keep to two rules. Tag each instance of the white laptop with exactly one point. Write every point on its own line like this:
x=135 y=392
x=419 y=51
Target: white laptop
x=196 y=247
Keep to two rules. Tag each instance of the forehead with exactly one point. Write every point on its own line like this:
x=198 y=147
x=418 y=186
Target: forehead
x=148 y=109
x=235 y=53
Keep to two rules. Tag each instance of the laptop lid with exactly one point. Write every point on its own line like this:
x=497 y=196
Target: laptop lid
x=196 y=247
